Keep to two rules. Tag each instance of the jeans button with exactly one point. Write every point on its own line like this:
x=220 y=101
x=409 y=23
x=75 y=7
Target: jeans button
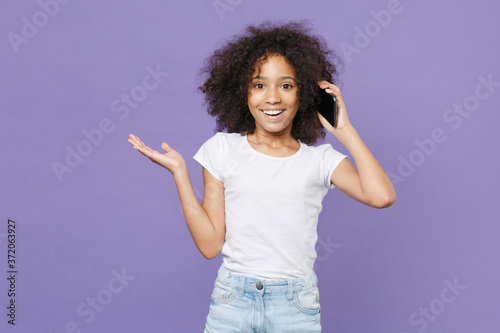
x=259 y=286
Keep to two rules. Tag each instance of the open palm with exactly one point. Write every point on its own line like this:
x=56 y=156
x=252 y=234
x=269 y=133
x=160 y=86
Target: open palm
x=171 y=159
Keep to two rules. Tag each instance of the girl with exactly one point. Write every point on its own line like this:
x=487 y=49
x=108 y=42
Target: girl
x=265 y=181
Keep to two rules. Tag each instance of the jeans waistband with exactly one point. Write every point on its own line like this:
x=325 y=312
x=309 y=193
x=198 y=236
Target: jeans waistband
x=254 y=285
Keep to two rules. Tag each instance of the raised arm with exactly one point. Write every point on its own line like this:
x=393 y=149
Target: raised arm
x=369 y=184
x=206 y=222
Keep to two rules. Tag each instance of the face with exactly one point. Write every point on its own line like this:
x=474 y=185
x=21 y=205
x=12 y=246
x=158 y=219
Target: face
x=272 y=96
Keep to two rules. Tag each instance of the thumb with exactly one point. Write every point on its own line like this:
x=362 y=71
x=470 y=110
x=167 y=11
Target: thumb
x=166 y=147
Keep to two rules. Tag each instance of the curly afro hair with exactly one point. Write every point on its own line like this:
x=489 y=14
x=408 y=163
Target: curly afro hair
x=230 y=69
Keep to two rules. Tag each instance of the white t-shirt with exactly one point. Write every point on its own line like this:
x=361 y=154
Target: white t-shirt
x=272 y=204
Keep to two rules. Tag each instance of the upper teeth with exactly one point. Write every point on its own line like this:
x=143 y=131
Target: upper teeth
x=273 y=112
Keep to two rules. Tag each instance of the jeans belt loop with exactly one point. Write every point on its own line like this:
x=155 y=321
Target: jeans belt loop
x=241 y=292
x=290 y=290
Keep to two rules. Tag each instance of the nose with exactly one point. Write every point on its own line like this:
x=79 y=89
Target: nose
x=272 y=96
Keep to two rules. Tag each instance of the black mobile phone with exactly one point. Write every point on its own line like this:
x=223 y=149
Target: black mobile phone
x=328 y=107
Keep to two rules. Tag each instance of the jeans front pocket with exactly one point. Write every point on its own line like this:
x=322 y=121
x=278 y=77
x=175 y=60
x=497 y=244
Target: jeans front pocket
x=223 y=293
x=307 y=300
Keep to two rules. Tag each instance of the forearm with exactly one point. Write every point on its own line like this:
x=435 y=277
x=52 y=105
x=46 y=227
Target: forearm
x=202 y=230
x=206 y=236
x=374 y=182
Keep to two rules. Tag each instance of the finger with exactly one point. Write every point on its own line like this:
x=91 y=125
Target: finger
x=133 y=139
x=139 y=141
x=324 y=122
x=134 y=143
x=138 y=145
x=335 y=93
x=320 y=116
x=326 y=84
x=330 y=88
x=166 y=147
x=146 y=151
x=141 y=144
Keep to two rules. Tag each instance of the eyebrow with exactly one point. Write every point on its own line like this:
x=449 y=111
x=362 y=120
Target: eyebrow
x=280 y=78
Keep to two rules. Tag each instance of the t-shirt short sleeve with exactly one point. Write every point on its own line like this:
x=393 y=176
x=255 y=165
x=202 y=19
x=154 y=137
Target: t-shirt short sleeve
x=209 y=155
x=331 y=159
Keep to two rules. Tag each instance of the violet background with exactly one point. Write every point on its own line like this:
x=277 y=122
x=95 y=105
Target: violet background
x=116 y=210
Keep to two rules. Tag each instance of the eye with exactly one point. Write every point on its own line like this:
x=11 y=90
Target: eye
x=287 y=86
x=258 y=86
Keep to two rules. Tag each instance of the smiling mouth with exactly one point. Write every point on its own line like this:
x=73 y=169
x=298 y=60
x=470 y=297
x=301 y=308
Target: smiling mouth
x=273 y=112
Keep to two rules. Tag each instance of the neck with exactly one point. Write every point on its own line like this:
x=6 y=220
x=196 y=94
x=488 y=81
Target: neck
x=272 y=139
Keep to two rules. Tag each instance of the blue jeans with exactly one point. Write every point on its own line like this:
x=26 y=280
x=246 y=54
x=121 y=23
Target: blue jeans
x=243 y=304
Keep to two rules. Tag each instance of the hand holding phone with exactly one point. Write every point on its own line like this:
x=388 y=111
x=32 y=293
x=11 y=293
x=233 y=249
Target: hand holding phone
x=328 y=107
